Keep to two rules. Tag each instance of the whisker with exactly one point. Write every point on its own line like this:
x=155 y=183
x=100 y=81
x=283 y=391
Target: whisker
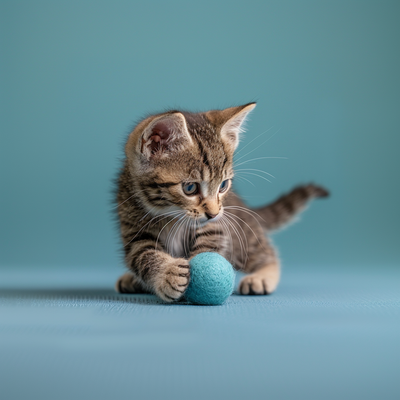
x=230 y=221
x=165 y=215
x=246 y=210
x=233 y=215
x=262 y=133
x=260 y=176
x=230 y=215
x=228 y=229
x=242 y=244
x=137 y=191
x=265 y=141
x=242 y=177
x=185 y=237
x=179 y=223
x=120 y=204
x=165 y=226
x=145 y=215
x=259 y=158
x=230 y=242
x=243 y=240
x=255 y=169
x=168 y=238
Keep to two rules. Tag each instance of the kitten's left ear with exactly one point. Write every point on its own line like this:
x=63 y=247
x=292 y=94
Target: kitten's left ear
x=164 y=135
x=231 y=121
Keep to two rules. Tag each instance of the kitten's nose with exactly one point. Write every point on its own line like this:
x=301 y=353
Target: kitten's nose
x=211 y=216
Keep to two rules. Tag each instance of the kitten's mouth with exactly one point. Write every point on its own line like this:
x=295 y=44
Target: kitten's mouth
x=216 y=218
x=205 y=220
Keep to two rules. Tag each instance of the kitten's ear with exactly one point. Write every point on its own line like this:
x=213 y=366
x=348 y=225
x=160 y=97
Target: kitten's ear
x=231 y=121
x=165 y=135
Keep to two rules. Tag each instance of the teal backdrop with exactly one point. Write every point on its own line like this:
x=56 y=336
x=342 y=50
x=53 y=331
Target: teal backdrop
x=76 y=75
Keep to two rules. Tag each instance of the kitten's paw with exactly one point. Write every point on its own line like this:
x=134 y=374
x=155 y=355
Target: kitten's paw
x=127 y=283
x=259 y=283
x=174 y=280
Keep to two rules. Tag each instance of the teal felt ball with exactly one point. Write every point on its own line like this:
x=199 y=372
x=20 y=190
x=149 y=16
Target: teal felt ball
x=212 y=279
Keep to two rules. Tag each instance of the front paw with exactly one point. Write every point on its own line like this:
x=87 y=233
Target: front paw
x=173 y=281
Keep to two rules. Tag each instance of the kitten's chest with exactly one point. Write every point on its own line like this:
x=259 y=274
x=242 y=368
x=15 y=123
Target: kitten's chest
x=176 y=239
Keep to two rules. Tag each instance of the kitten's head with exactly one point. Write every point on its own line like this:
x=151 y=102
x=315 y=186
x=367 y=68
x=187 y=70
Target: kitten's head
x=184 y=161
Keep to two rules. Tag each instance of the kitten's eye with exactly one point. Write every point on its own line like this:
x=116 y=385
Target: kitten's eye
x=190 y=188
x=224 y=186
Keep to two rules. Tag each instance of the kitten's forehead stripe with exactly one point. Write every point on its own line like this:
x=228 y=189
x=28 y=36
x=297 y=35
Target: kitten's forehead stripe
x=212 y=154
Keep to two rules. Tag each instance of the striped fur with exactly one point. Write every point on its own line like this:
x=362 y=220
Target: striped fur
x=282 y=211
x=162 y=228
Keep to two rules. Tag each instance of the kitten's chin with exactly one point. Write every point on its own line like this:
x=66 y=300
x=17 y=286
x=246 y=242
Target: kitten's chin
x=201 y=222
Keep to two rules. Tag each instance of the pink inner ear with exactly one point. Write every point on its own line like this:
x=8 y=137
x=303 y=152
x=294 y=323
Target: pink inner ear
x=159 y=137
x=162 y=129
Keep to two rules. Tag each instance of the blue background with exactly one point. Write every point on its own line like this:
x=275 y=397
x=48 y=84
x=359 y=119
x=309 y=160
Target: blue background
x=75 y=76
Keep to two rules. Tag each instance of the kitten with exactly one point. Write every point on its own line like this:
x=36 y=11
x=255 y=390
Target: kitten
x=174 y=201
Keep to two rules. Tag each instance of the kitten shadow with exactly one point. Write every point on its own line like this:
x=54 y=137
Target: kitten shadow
x=80 y=294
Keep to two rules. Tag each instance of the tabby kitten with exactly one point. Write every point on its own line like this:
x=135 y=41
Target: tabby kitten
x=174 y=201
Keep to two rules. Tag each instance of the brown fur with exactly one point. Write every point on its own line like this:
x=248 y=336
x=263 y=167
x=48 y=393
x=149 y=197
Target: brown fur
x=162 y=228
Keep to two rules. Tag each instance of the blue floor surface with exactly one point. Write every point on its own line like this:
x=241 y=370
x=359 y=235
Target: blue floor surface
x=322 y=335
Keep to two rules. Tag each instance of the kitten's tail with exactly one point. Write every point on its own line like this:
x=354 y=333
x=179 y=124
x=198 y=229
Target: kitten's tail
x=281 y=211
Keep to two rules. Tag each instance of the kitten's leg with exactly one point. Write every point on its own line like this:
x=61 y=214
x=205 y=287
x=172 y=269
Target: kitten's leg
x=264 y=270
x=128 y=283
x=263 y=281
x=156 y=271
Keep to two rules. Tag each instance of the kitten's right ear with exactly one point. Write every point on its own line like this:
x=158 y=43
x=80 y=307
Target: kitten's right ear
x=230 y=122
x=164 y=135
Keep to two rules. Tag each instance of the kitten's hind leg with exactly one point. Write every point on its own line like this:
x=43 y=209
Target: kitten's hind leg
x=128 y=283
x=263 y=268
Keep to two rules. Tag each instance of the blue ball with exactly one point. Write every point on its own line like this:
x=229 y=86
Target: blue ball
x=212 y=279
